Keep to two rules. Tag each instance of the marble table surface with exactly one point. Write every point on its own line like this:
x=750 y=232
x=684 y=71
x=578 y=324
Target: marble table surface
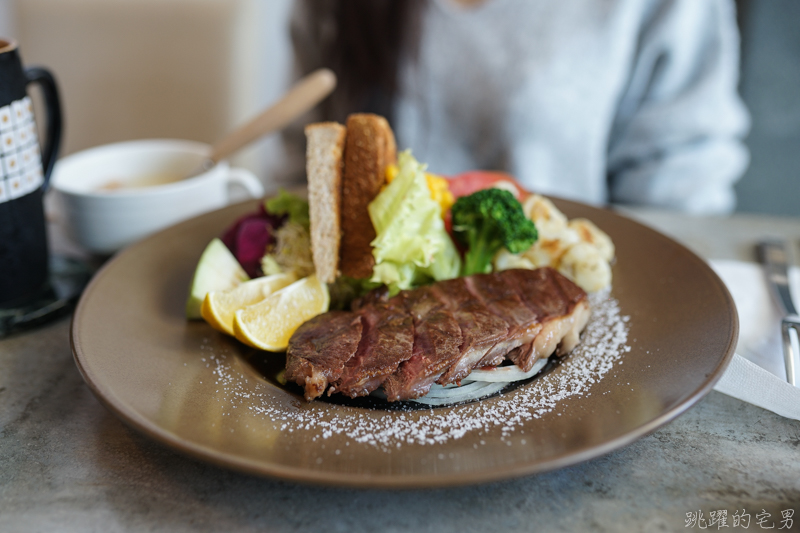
x=67 y=464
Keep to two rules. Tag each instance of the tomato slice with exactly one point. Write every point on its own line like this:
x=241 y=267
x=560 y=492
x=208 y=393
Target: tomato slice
x=469 y=182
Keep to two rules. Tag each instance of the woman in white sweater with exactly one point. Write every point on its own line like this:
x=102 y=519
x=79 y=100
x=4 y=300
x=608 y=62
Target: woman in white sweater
x=623 y=101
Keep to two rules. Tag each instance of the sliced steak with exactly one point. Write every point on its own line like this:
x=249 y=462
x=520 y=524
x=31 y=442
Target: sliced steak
x=437 y=343
x=319 y=349
x=438 y=333
x=562 y=310
x=379 y=296
x=480 y=327
x=503 y=300
x=387 y=340
x=542 y=291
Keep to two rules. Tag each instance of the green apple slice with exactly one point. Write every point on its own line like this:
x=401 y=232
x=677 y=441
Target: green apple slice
x=217 y=270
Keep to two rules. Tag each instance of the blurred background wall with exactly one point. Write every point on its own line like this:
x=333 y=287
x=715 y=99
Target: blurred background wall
x=195 y=68
x=770 y=86
x=132 y=69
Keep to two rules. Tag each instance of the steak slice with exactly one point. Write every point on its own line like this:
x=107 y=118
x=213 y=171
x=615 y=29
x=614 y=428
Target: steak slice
x=503 y=300
x=437 y=343
x=379 y=296
x=387 y=340
x=319 y=349
x=480 y=327
x=562 y=309
x=544 y=291
x=559 y=335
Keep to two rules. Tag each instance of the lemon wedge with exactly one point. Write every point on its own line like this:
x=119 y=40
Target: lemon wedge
x=269 y=324
x=218 y=307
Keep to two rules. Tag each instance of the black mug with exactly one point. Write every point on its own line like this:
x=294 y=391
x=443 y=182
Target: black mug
x=24 y=175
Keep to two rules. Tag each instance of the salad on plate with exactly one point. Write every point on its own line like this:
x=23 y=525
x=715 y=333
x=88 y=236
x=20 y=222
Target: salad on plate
x=394 y=282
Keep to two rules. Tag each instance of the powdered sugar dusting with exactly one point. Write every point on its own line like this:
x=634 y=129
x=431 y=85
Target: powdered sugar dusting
x=603 y=344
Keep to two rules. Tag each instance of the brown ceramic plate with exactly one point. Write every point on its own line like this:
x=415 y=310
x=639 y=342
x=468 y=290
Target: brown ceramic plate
x=199 y=392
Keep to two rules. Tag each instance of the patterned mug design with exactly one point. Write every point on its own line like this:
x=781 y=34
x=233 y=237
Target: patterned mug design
x=20 y=162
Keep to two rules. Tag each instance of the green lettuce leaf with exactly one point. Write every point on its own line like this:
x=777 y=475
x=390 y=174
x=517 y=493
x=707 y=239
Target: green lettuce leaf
x=289 y=204
x=412 y=245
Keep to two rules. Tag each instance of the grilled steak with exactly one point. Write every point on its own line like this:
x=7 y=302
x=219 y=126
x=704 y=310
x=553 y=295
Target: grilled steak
x=319 y=350
x=386 y=341
x=560 y=306
x=480 y=327
x=501 y=298
x=437 y=343
x=438 y=333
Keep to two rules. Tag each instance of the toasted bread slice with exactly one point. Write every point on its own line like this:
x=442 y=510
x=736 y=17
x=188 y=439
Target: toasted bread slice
x=324 y=160
x=370 y=147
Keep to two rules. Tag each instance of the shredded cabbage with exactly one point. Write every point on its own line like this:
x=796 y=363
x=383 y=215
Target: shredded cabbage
x=412 y=245
x=291 y=251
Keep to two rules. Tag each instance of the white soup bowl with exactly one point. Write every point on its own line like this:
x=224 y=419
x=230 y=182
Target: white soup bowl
x=116 y=194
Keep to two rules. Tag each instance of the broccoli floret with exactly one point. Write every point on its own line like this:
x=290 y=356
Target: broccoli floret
x=486 y=221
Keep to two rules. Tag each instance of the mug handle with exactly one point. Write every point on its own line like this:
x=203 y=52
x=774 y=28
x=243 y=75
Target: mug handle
x=53 y=105
x=247 y=180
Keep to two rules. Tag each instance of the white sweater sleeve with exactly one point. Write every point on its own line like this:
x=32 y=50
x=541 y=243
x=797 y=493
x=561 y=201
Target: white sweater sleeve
x=676 y=139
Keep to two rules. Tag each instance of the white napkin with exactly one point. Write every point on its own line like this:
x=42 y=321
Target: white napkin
x=757 y=374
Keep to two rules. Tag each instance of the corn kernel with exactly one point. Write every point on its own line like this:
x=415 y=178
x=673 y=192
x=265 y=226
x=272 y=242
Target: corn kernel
x=391 y=173
x=437 y=185
x=440 y=191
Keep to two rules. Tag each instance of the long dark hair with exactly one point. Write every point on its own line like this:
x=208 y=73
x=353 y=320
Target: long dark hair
x=364 y=42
